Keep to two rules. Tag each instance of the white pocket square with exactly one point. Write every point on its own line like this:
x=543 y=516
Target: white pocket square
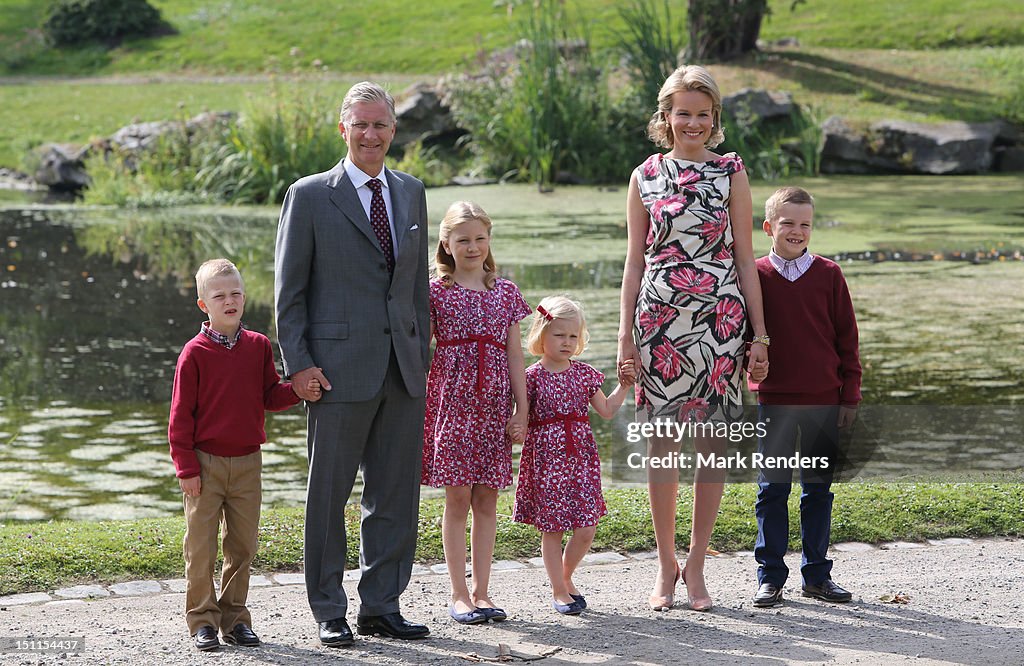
x=414 y=227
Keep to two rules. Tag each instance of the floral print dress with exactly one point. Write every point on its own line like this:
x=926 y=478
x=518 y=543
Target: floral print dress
x=469 y=397
x=559 y=486
x=690 y=316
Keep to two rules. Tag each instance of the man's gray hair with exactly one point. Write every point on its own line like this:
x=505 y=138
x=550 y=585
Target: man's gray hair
x=364 y=91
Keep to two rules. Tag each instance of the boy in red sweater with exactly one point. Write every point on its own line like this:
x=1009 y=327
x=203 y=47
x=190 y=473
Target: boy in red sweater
x=224 y=380
x=813 y=388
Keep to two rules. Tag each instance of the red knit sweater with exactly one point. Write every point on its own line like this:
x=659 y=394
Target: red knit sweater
x=219 y=396
x=813 y=356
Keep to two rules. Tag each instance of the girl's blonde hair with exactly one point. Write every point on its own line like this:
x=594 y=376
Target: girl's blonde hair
x=687 y=77
x=550 y=309
x=458 y=213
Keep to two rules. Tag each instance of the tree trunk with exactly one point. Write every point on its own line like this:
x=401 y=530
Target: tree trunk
x=724 y=29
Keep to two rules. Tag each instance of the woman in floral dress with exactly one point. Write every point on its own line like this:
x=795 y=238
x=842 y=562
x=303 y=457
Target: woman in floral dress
x=689 y=291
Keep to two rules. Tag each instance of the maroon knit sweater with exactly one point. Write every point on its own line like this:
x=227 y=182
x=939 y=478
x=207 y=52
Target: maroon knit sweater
x=219 y=396
x=813 y=356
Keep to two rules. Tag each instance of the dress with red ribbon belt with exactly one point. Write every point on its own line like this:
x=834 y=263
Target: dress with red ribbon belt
x=566 y=420
x=480 y=341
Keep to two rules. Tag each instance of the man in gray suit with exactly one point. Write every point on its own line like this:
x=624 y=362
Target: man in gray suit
x=352 y=303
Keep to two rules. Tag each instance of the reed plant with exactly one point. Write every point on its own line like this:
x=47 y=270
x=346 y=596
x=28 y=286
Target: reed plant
x=650 y=44
x=772 y=150
x=544 y=113
x=275 y=141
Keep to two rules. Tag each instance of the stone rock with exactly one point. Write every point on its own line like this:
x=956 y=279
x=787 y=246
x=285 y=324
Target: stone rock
x=209 y=119
x=468 y=181
x=1008 y=158
x=142 y=136
x=136 y=588
x=751 y=105
x=943 y=148
x=423 y=116
x=843 y=149
x=62 y=167
x=899 y=146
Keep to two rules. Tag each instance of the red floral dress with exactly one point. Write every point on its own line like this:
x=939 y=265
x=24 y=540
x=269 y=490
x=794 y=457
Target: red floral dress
x=559 y=485
x=690 y=315
x=469 y=398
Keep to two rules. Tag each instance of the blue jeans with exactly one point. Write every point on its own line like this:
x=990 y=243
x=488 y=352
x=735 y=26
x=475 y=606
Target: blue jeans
x=818 y=434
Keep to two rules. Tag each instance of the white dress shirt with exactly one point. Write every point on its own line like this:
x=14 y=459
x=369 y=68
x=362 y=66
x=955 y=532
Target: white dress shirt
x=359 y=180
x=791 y=269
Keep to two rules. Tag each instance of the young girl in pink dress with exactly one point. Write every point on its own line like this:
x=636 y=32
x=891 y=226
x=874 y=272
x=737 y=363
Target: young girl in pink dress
x=560 y=472
x=476 y=377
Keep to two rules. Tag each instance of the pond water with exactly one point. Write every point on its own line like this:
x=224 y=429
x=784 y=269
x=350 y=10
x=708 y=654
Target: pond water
x=95 y=305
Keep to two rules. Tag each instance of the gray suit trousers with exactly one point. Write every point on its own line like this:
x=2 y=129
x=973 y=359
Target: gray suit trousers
x=391 y=425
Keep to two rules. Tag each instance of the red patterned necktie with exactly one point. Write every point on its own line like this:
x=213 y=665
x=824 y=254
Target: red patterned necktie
x=379 y=222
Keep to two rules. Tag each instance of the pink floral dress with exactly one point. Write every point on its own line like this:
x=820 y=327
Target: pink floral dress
x=559 y=485
x=690 y=315
x=469 y=398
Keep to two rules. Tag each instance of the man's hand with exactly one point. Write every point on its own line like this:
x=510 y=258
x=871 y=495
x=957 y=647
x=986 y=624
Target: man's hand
x=847 y=416
x=302 y=381
x=191 y=486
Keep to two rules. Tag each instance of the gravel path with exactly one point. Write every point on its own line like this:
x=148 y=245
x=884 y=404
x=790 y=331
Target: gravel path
x=964 y=607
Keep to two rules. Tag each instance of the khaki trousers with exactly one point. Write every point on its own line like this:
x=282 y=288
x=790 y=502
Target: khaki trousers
x=230 y=497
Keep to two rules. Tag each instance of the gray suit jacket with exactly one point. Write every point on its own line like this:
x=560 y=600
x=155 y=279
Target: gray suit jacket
x=337 y=307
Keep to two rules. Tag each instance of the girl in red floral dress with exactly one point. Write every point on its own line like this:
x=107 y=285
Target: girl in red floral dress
x=476 y=378
x=560 y=472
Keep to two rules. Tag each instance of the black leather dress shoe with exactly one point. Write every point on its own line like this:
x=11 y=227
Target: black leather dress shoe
x=206 y=639
x=768 y=595
x=392 y=625
x=242 y=635
x=336 y=633
x=826 y=590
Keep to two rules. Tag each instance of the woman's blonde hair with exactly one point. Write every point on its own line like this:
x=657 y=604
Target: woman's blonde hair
x=458 y=213
x=548 y=310
x=687 y=77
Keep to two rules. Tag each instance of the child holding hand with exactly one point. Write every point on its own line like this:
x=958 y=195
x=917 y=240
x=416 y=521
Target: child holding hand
x=224 y=381
x=560 y=472
x=476 y=377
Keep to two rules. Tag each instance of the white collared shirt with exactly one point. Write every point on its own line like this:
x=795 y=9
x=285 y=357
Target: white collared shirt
x=791 y=269
x=359 y=180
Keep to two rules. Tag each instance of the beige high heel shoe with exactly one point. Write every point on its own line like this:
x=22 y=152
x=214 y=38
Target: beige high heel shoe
x=659 y=603
x=701 y=605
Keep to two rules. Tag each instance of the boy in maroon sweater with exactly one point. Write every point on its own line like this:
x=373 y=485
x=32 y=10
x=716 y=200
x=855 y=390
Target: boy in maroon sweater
x=224 y=380
x=813 y=389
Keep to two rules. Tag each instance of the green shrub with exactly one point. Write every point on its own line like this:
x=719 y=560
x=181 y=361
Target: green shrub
x=431 y=165
x=775 y=149
x=543 y=114
x=69 y=22
x=278 y=139
x=650 y=45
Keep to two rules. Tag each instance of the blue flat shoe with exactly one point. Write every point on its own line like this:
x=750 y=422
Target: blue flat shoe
x=475 y=616
x=568 y=609
x=580 y=599
x=494 y=614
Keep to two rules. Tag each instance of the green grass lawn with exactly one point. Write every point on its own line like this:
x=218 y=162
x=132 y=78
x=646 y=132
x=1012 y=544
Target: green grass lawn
x=42 y=556
x=429 y=37
x=846 y=63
